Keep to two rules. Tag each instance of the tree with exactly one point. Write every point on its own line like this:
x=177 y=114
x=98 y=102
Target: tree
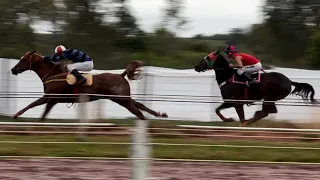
x=313 y=50
x=173 y=18
x=296 y=11
x=289 y=23
x=17 y=18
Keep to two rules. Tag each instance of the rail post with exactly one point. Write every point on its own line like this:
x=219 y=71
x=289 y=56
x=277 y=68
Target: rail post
x=82 y=113
x=140 y=151
x=6 y=87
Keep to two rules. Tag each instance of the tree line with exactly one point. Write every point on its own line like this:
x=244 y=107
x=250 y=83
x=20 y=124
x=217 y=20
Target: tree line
x=289 y=35
x=109 y=32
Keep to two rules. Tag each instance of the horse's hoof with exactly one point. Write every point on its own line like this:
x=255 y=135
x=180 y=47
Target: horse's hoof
x=15 y=116
x=243 y=124
x=230 y=120
x=164 y=115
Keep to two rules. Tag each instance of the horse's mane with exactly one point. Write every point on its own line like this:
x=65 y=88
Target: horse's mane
x=222 y=69
x=61 y=66
x=58 y=64
x=223 y=61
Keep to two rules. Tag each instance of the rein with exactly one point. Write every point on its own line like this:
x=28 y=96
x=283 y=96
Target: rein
x=46 y=76
x=209 y=64
x=48 y=73
x=219 y=69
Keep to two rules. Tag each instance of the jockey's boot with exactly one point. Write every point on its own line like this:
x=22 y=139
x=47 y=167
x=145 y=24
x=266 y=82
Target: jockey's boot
x=250 y=80
x=80 y=79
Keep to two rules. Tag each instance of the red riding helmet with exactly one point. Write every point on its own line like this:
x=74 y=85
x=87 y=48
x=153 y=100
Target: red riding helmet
x=230 y=49
x=59 y=49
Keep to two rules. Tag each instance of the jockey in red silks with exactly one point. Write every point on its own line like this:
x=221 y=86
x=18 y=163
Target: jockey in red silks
x=246 y=64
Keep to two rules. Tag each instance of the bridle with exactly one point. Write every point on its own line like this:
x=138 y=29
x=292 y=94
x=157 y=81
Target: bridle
x=31 y=62
x=207 y=62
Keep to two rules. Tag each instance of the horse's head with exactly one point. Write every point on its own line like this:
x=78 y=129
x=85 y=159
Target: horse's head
x=218 y=63
x=26 y=61
x=212 y=61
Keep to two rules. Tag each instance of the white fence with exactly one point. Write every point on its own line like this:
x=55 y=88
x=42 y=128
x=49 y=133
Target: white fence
x=183 y=94
x=178 y=85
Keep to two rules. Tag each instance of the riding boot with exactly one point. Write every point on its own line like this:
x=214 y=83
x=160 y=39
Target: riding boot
x=80 y=79
x=250 y=80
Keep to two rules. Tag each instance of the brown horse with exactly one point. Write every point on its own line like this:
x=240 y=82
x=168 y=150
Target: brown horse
x=55 y=82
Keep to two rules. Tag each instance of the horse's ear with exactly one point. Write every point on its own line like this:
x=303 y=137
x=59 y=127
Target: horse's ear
x=34 y=51
x=217 y=52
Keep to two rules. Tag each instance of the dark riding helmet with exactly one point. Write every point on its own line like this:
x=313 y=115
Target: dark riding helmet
x=230 y=49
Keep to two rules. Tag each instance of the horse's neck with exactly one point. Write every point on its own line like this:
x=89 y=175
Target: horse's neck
x=224 y=75
x=43 y=69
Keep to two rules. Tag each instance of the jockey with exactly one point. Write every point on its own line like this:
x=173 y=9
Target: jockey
x=246 y=64
x=81 y=61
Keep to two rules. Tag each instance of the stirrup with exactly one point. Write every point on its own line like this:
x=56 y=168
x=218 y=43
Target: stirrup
x=81 y=81
x=253 y=81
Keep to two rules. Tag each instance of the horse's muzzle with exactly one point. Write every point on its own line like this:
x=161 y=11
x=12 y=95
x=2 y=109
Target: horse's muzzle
x=15 y=71
x=197 y=68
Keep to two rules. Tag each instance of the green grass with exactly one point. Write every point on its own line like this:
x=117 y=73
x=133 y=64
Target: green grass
x=158 y=151
x=161 y=151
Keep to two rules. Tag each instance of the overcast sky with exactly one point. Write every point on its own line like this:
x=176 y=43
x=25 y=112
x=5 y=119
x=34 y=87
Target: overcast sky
x=205 y=16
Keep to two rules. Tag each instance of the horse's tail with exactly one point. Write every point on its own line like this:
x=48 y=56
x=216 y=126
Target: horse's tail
x=133 y=71
x=304 y=90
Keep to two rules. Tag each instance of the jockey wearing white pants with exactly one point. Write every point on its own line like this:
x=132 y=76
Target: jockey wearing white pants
x=246 y=64
x=250 y=68
x=81 y=61
x=81 y=66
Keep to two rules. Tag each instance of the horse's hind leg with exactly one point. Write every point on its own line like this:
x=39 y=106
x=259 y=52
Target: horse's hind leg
x=257 y=116
x=131 y=106
x=267 y=108
x=145 y=108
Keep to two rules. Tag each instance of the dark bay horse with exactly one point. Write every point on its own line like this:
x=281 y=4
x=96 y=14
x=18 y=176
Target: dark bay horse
x=54 y=82
x=272 y=87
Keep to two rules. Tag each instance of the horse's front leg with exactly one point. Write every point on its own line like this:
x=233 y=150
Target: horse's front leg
x=49 y=106
x=224 y=106
x=38 y=102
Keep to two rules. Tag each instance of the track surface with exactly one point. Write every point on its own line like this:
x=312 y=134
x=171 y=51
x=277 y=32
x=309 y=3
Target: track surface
x=63 y=169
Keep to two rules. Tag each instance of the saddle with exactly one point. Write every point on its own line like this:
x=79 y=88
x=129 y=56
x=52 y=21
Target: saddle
x=236 y=78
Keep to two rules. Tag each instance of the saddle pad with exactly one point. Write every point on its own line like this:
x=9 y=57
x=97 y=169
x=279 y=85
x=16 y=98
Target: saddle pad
x=71 y=79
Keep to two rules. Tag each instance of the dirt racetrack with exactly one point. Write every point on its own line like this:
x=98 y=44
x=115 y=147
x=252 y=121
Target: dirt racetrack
x=63 y=169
